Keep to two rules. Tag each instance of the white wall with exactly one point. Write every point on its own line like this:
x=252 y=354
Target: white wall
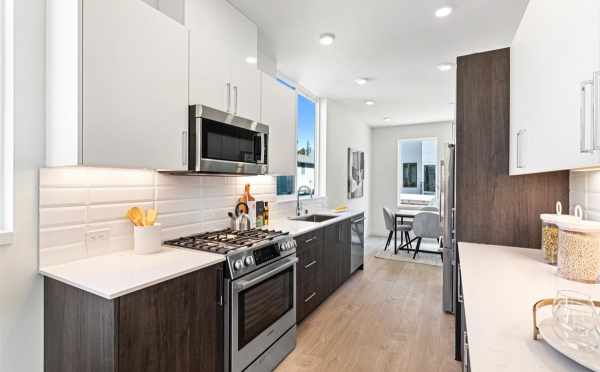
x=384 y=164
x=21 y=297
x=344 y=130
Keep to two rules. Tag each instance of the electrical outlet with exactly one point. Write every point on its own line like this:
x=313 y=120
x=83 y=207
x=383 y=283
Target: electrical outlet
x=97 y=241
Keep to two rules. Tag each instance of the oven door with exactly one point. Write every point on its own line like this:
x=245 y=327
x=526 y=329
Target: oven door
x=263 y=308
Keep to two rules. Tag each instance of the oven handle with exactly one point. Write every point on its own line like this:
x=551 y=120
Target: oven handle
x=244 y=284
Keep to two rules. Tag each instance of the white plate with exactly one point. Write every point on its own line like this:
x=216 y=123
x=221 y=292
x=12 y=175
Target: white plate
x=590 y=360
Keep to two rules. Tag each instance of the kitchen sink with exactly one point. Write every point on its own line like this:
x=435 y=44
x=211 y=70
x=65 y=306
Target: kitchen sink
x=314 y=218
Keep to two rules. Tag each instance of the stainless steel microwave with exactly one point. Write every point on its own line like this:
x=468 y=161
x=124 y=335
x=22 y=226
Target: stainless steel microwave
x=220 y=142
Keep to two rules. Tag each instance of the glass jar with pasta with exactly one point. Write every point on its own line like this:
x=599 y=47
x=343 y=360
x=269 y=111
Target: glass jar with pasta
x=550 y=231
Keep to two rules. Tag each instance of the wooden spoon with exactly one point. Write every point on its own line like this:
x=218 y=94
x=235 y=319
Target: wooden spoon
x=151 y=216
x=136 y=216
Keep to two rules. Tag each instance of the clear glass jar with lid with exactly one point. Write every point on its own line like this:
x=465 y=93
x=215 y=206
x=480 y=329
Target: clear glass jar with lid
x=579 y=251
x=550 y=231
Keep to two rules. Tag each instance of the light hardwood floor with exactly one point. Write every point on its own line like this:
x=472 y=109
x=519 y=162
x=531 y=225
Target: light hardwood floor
x=385 y=318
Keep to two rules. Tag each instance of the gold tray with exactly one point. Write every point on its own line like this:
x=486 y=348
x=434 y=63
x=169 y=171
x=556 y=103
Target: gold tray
x=542 y=303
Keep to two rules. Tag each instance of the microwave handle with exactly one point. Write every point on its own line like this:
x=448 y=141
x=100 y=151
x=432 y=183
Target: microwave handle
x=263 y=146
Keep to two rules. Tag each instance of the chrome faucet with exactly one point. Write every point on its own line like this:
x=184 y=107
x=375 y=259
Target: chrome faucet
x=305 y=189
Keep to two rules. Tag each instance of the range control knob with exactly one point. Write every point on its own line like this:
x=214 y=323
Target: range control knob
x=283 y=246
x=238 y=265
x=249 y=260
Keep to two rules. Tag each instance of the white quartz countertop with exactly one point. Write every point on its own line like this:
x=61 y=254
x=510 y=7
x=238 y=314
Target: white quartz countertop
x=296 y=228
x=117 y=274
x=500 y=286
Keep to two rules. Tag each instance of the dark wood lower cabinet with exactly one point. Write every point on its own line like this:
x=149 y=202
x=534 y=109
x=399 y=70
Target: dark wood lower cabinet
x=174 y=326
x=323 y=265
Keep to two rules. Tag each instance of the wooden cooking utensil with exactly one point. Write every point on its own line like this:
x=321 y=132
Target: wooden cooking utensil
x=137 y=216
x=151 y=216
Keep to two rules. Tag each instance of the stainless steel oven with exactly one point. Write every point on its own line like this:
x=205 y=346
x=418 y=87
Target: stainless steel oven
x=262 y=312
x=220 y=142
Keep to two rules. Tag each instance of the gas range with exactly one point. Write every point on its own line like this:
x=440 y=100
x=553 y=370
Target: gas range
x=245 y=251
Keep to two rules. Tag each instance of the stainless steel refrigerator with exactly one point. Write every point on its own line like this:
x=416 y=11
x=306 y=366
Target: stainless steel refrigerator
x=447 y=199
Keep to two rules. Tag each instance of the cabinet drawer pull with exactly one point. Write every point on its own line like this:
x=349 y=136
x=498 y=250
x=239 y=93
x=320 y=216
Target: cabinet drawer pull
x=310 y=297
x=310 y=240
x=310 y=264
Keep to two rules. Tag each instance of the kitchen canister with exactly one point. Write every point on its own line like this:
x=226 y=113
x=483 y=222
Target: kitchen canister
x=146 y=239
x=550 y=231
x=579 y=251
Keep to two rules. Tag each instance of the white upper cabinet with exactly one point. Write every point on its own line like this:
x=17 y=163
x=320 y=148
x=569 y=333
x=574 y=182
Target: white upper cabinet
x=221 y=39
x=117 y=86
x=554 y=56
x=278 y=111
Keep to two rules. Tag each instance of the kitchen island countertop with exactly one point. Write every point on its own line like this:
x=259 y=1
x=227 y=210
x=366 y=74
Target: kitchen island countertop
x=500 y=286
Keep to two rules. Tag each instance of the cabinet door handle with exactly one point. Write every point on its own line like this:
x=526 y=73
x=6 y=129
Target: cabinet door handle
x=228 y=87
x=465 y=352
x=235 y=100
x=310 y=264
x=184 y=148
x=583 y=145
x=595 y=110
x=310 y=240
x=460 y=289
x=310 y=297
x=519 y=149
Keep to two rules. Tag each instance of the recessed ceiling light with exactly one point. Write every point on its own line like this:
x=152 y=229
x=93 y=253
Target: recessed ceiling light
x=443 y=12
x=361 y=81
x=369 y=102
x=327 y=39
x=251 y=60
x=444 y=67
x=387 y=118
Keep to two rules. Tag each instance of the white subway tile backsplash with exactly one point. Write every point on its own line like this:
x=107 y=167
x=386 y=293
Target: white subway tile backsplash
x=62 y=216
x=107 y=212
x=58 y=236
x=585 y=191
x=76 y=200
x=182 y=205
x=57 y=197
x=120 y=177
x=113 y=195
x=64 y=177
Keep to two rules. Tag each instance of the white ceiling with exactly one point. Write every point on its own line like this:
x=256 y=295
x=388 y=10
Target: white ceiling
x=397 y=43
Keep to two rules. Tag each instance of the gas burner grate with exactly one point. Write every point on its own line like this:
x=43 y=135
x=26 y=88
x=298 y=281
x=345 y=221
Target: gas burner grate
x=224 y=241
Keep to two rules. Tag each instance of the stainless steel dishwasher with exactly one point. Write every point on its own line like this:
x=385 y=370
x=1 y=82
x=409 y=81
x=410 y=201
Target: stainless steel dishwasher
x=357 y=252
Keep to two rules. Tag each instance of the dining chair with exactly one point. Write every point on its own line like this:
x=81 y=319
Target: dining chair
x=426 y=225
x=391 y=225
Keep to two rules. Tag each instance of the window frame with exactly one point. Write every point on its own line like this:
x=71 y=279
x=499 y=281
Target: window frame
x=6 y=123
x=399 y=167
x=318 y=146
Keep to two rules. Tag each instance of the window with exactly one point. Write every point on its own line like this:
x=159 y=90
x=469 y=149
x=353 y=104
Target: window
x=6 y=122
x=409 y=175
x=429 y=179
x=417 y=168
x=307 y=143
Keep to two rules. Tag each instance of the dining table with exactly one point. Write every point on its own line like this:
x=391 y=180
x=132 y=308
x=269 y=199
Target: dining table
x=408 y=213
